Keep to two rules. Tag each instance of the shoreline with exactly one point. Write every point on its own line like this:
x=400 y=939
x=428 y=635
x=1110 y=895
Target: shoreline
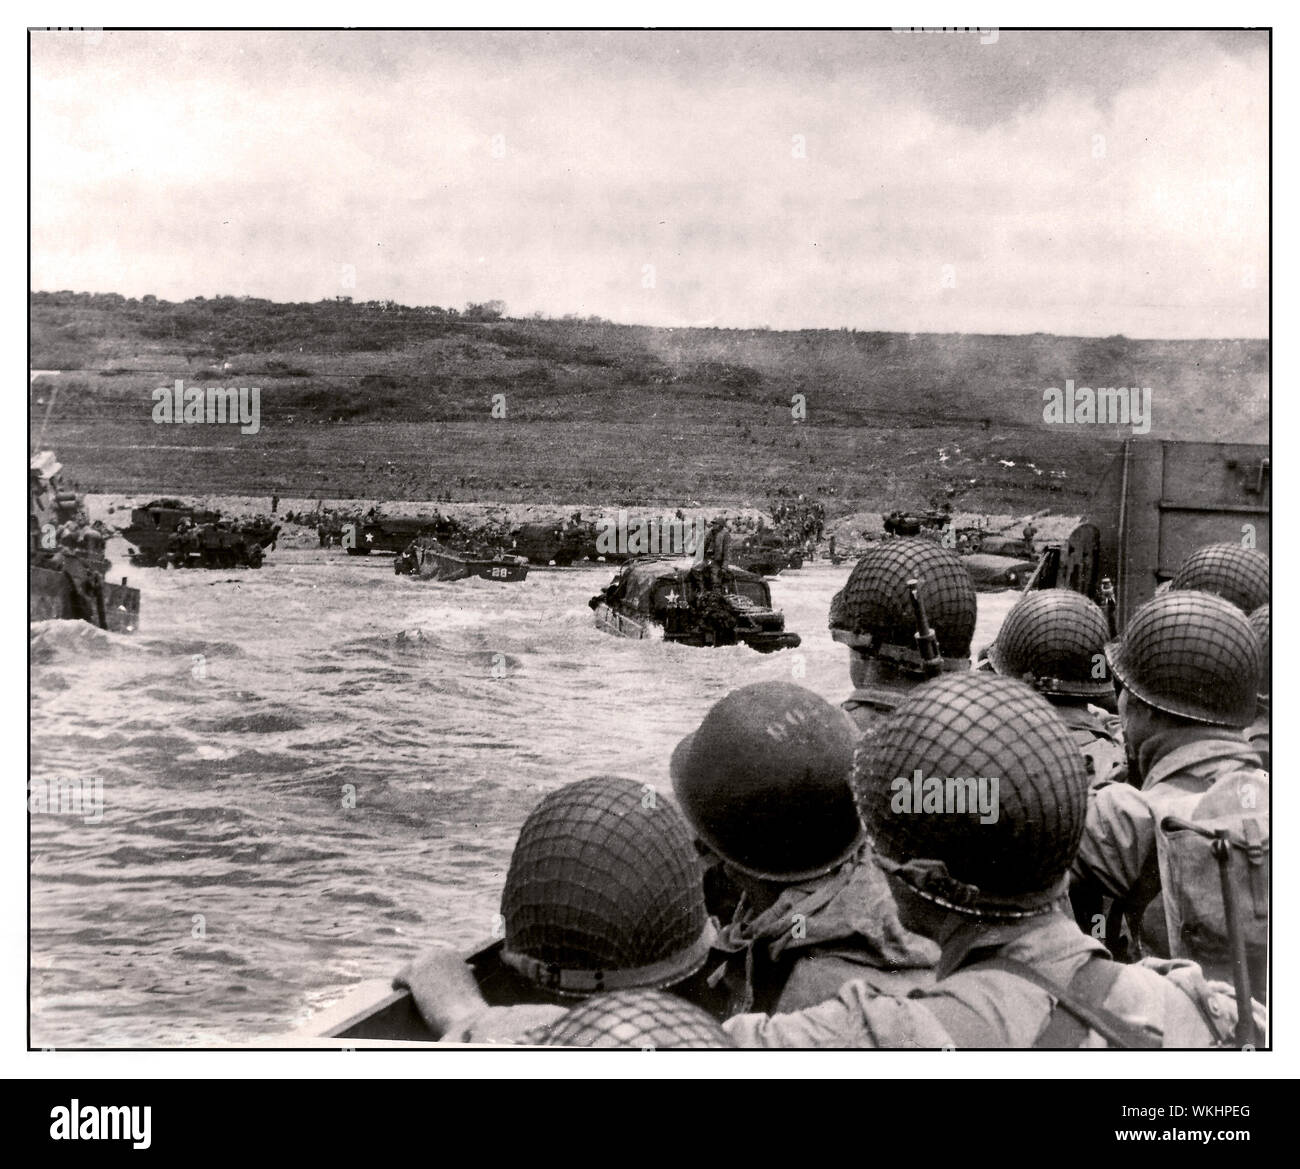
x=115 y=509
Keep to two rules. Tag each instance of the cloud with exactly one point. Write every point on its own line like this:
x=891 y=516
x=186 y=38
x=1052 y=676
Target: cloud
x=1065 y=182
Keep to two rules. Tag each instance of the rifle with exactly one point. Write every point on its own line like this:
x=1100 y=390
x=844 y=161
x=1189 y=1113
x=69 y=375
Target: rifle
x=1106 y=590
x=927 y=644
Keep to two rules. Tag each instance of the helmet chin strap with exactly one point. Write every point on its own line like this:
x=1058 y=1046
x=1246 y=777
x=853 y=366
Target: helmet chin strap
x=553 y=976
x=931 y=880
x=906 y=659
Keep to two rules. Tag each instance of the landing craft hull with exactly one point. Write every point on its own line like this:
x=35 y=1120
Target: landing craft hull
x=435 y=565
x=374 y=1012
x=1160 y=501
x=52 y=596
x=391 y=533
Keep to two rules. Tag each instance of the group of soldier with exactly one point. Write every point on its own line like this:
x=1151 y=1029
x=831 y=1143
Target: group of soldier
x=794 y=894
x=800 y=521
x=218 y=544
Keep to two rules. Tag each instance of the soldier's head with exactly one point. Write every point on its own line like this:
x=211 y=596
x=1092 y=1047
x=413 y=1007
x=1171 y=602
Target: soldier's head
x=973 y=795
x=1186 y=659
x=1055 y=641
x=1237 y=574
x=604 y=892
x=637 y=1019
x=873 y=612
x=764 y=783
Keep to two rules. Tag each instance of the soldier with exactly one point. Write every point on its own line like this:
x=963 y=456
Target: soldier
x=764 y=782
x=717 y=552
x=641 y=1019
x=1055 y=640
x=604 y=892
x=984 y=880
x=1259 y=734
x=1188 y=665
x=873 y=615
x=1235 y=573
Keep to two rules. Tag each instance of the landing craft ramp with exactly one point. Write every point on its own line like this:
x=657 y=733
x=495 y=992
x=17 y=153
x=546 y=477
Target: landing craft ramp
x=1158 y=502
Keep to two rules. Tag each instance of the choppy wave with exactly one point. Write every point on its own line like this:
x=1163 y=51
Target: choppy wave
x=311 y=772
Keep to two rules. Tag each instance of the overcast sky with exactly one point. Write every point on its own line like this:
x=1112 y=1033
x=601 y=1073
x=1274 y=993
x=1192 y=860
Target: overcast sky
x=1087 y=183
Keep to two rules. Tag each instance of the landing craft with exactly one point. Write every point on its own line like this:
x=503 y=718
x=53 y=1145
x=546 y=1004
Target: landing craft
x=376 y=1011
x=565 y=543
x=169 y=532
x=384 y=533
x=427 y=559
x=554 y=543
x=66 y=565
x=1157 y=503
x=995 y=561
x=768 y=554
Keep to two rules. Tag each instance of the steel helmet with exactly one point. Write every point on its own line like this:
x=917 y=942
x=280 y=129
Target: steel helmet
x=1055 y=639
x=873 y=612
x=1261 y=624
x=640 y=1019
x=1236 y=573
x=765 y=782
x=974 y=794
x=605 y=892
x=1192 y=655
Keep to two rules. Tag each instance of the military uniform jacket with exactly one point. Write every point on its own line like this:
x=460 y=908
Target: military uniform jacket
x=816 y=936
x=973 y=1006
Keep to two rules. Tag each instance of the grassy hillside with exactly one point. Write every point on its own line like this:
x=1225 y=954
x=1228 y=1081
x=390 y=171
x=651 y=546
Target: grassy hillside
x=390 y=401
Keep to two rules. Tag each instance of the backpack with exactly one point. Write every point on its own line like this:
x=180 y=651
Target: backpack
x=1192 y=885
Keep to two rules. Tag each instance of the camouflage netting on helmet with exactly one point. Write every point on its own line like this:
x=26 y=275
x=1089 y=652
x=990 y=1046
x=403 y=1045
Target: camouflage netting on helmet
x=1238 y=575
x=983 y=726
x=875 y=599
x=1192 y=655
x=1261 y=623
x=1055 y=639
x=638 y=1019
x=605 y=878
